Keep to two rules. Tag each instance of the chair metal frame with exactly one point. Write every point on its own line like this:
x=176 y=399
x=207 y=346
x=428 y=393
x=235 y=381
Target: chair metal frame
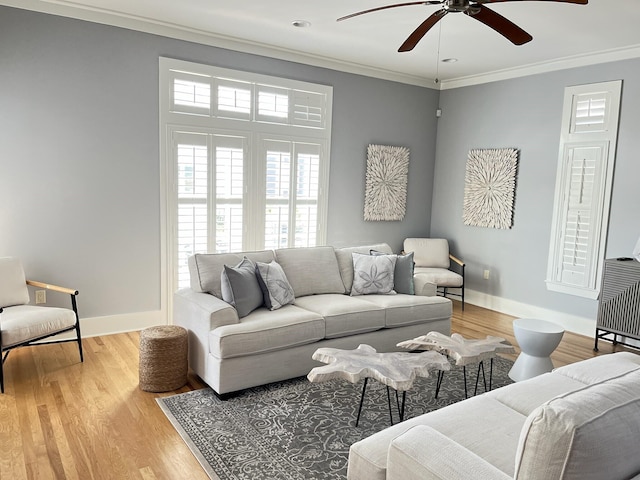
x=33 y=342
x=445 y=290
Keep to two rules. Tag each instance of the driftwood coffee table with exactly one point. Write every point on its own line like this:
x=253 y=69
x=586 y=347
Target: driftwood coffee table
x=397 y=370
x=463 y=351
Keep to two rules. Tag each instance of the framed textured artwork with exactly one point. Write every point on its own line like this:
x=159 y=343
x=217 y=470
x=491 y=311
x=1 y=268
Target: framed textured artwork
x=489 y=188
x=385 y=197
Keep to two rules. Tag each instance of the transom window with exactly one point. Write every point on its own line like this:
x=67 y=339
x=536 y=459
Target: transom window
x=246 y=162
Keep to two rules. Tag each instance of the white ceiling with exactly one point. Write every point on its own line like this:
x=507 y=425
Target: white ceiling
x=563 y=34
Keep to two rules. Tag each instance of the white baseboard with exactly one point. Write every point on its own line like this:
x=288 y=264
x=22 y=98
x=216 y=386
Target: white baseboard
x=572 y=323
x=111 y=324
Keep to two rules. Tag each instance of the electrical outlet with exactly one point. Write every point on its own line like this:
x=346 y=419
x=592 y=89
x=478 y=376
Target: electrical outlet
x=41 y=296
x=486 y=275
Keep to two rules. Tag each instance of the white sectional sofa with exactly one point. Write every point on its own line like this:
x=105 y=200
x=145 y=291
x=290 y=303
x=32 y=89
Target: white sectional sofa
x=232 y=352
x=581 y=421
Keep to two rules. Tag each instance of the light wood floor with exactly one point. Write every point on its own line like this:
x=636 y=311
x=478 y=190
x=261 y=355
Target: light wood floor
x=61 y=419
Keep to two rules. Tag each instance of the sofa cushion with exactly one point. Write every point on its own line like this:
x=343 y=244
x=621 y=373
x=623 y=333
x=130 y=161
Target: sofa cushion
x=603 y=367
x=311 y=271
x=264 y=331
x=409 y=459
x=240 y=287
x=205 y=269
x=400 y=310
x=525 y=397
x=484 y=426
x=345 y=260
x=344 y=315
x=373 y=274
x=584 y=433
x=276 y=289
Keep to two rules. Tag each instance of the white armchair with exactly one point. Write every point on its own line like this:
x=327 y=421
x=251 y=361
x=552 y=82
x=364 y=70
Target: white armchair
x=433 y=263
x=22 y=324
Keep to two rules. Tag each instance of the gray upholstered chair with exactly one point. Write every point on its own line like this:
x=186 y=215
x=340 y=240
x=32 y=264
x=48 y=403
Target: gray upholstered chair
x=433 y=264
x=22 y=324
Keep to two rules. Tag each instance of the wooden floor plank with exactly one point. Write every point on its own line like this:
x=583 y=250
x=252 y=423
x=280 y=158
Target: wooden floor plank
x=60 y=418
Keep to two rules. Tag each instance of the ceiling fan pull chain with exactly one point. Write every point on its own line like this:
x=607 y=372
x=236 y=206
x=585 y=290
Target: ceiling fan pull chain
x=437 y=80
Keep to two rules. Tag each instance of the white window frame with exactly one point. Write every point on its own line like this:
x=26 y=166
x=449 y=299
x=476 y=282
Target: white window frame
x=178 y=120
x=599 y=136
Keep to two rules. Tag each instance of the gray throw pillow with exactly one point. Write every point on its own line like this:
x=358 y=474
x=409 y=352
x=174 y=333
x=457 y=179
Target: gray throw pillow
x=403 y=273
x=240 y=287
x=276 y=290
x=373 y=274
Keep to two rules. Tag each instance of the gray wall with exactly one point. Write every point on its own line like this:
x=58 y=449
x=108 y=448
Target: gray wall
x=79 y=153
x=526 y=114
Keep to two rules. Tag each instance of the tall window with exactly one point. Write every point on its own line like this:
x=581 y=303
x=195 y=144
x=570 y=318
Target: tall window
x=583 y=188
x=245 y=162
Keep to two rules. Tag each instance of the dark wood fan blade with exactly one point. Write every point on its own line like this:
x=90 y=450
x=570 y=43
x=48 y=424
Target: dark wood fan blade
x=504 y=27
x=581 y=2
x=421 y=31
x=435 y=2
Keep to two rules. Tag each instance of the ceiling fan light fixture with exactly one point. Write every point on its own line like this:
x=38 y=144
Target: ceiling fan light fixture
x=301 y=23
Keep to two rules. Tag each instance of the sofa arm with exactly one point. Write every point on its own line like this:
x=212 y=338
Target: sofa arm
x=423 y=453
x=200 y=313
x=423 y=287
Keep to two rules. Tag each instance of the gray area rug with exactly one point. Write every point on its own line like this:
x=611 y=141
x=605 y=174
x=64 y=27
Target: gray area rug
x=297 y=430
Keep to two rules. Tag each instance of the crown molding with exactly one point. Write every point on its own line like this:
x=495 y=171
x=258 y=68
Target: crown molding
x=179 y=32
x=151 y=26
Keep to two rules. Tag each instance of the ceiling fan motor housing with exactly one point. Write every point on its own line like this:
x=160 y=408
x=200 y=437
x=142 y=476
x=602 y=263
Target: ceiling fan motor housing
x=454 y=6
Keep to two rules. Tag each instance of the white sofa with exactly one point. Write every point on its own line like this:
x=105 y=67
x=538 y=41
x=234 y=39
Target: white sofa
x=231 y=353
x=581 y=421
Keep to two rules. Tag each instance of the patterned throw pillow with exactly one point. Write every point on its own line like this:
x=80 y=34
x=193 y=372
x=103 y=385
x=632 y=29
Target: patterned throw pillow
x=240 y=287
x=276 y=290
x=403 y=273
x=373 y=274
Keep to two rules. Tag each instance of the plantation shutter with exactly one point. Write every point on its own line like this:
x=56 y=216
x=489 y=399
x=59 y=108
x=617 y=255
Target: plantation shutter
x=191 y=152
x=583 y=188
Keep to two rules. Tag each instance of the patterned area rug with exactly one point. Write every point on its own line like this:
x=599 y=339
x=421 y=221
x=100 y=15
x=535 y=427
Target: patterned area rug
x=297 y=430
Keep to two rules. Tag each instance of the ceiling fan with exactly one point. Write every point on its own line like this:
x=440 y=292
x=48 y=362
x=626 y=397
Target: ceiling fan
x=473 y=8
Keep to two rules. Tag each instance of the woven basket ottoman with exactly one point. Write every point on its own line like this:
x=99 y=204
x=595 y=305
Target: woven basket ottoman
x=163 y=358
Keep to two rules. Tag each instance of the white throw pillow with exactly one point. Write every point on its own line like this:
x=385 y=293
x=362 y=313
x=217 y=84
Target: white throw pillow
x=276 y=290
x=373 y=274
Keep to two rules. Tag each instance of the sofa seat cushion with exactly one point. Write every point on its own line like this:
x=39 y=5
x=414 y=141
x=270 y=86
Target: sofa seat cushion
x=264 y=331
x=311 y=271
x=22 y=323
x=344 y=315
x=482 y=425
x=584 y=433
x=400 y=310
x=440 y=276
x=525 y=397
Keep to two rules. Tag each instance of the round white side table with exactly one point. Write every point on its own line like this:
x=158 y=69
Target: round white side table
x=537 y=340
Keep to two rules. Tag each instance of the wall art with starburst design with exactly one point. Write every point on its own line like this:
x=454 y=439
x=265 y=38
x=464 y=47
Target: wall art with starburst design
x=385 y=196
x=489 y=187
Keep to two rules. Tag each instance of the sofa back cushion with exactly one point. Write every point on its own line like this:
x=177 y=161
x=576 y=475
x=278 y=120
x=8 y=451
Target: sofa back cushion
x=584 y=434
x=311 y=270
x=345 y=260
x=206 y=269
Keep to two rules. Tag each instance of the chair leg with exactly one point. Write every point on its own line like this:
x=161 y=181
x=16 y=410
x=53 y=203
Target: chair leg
x=463 y=298
x=79 y=337
x=1 y=375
